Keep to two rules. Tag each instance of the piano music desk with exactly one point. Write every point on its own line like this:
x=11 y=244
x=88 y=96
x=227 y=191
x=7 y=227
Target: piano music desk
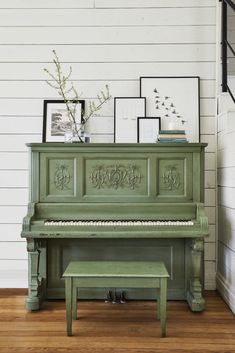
x=114 y=274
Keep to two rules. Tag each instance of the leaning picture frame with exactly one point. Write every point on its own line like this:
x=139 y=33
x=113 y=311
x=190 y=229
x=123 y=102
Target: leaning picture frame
x=126 y=112
x=148 y=129
x=56 y=121
x=176 y=101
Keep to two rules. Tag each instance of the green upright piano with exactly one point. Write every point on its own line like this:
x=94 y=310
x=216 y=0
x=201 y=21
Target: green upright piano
x=116 y=202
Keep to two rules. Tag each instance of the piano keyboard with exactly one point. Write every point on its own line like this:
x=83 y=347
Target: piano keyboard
x=118 y=223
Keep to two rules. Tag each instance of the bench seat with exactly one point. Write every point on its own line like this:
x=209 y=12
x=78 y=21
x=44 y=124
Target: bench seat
x=115 y=274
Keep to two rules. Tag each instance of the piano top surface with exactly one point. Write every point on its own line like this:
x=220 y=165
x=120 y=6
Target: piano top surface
x=116 y=146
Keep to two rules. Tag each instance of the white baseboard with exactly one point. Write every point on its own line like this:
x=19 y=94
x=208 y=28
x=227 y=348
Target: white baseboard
x=226 y=291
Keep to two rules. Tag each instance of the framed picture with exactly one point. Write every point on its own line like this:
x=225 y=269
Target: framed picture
x=56 y=119
x=176 y=101
x=126 y=112
x=148 y=129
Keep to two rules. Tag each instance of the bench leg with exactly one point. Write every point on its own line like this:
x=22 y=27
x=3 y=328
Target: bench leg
x=158 y=306
x=74 y=309
x=162 y=305
x=68 y=299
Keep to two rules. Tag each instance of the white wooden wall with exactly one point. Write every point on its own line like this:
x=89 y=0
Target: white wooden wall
x=113 y=41
x=226 y=203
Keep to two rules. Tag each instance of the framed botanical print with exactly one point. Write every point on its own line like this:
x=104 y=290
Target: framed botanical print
x=176 y=101
x=126 y=112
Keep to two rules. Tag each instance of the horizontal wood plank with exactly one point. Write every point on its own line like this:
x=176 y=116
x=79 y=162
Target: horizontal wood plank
x=10 y=232
x=13 y=196
x=13 y=251
x=102 y=71
x=109 y=53
x=152 y=3
x=14 y=91
x=25 y=4
x=210 y=195
x=108 y=17
x=226 y=263
x=226 y=158
x=226 y=217
x=112 y=35
x=226 y=176
x=212 y=234
x=13 y=273
x=73 y=4
x=14 y=160
x=12 y=214
x=210 y=251
x=226 y=139
x=21 y=125
x=207 y=125
x=211 y=140
x=211 y=214
x=17 y=143
x=226 y=196
x=210 y=179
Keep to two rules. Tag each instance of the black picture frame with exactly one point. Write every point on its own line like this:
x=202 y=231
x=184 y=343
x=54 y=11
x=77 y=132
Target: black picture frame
x=56 y=109
x=183 y=93
x=126 y=112
x=150 y=135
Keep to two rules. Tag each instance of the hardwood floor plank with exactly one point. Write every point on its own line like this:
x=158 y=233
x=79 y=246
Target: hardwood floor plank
x=106 y=328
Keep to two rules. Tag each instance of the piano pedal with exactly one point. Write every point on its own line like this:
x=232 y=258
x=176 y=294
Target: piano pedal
x=116 y=298
x=109 y=297
x=122 y=298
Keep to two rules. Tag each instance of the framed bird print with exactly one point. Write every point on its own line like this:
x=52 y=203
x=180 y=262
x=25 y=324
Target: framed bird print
x=176 y=101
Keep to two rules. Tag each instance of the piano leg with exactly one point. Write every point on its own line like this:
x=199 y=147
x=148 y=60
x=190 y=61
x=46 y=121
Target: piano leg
x=33 y=299
x=194 y=294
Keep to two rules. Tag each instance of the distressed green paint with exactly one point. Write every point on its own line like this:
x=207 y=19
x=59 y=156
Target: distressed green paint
x=114 y=274
x=137 y=181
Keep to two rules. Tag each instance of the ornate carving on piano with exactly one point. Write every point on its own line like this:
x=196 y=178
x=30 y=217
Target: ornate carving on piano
x=62 y=177
x=171 y=177
x=115 y=176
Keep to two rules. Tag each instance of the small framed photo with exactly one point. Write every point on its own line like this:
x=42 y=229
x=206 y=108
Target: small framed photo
x=176 y=101
x=56 y=120
x=148 y=129
x=126 y=112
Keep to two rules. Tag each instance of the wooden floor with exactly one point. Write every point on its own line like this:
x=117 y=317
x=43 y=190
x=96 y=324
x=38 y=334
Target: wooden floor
x=108 y=328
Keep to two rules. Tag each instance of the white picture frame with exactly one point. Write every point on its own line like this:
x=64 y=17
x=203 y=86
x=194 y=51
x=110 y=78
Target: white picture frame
x=126 y=112
x=148 y=129
x=176 y=101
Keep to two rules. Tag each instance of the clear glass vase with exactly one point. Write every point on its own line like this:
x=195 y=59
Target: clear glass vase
x=77 y=134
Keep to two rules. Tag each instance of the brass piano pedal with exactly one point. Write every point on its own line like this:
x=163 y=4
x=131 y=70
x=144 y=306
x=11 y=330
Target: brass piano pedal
x=109 y=297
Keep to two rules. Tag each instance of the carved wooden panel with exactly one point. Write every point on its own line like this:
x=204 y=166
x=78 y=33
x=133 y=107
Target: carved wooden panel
x=61 y=176
x=174 y=178
x=171 y=177
x=116 y=177
x=58 y=178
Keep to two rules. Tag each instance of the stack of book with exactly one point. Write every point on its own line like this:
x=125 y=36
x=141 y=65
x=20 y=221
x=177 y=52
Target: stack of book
x=172 y=136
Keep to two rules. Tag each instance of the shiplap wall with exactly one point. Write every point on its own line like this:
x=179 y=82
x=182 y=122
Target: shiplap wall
x=113 y=41
x=226 y=206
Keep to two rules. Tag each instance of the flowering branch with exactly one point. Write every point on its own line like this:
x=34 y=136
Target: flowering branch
x=62 y=84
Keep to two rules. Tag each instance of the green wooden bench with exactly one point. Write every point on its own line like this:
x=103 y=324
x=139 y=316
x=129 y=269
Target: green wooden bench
x=115 y=274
